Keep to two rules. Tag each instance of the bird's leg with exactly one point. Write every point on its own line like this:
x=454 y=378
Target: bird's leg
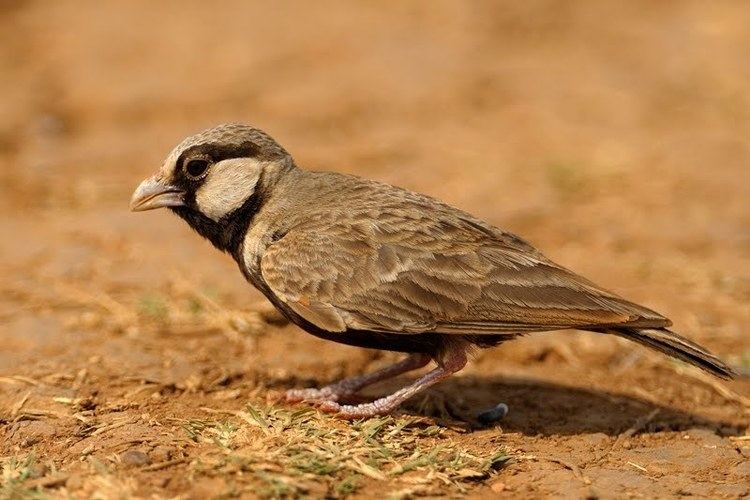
x=446 y=367
x=349 y=386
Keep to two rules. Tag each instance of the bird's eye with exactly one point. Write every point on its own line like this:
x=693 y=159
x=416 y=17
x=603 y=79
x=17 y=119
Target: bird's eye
x=196 y=168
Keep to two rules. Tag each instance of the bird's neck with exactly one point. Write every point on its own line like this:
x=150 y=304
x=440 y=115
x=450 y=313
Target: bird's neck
x=226 y=233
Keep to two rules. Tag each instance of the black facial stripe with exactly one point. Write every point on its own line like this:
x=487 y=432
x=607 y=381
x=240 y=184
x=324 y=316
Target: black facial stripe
x=229 y=232
x=238 y=222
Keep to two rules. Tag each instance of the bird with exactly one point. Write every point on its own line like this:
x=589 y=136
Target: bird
x=368 y=264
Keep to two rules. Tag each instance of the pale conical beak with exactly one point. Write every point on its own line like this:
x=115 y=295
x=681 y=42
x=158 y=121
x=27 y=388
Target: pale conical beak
x=155 y=193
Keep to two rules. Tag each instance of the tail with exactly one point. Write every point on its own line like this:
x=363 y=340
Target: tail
x=678 y=347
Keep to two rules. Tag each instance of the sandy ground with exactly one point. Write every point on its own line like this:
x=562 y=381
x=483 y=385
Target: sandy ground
x=136 y=362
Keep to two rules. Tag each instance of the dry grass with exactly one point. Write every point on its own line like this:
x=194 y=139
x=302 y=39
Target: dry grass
x=181 y=307
x=295 y=452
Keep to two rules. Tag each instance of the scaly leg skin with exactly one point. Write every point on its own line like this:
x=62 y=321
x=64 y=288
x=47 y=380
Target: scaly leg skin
x=349 y=386
x=454 y=362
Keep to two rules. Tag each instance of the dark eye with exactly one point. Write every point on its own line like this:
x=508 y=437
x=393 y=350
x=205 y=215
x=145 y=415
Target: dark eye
x=196 y=168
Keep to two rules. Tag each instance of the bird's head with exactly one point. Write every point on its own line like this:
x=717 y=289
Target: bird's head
x=215 y=180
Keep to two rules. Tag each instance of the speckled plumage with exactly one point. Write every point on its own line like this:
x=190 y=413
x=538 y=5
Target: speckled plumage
x=366 y=263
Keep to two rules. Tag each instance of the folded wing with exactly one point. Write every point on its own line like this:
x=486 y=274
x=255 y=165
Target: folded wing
x=407 y=271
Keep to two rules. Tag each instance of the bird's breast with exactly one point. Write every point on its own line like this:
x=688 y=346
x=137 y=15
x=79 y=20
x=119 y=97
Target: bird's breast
x=253 y=247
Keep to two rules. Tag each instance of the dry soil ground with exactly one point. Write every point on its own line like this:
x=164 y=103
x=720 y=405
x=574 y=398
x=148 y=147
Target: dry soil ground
x=135 y=362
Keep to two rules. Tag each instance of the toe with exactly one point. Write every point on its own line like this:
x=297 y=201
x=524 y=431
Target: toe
x=328 y=406
x=297 y=395
x=349 y=412
x=294 y=395
x=312 y=395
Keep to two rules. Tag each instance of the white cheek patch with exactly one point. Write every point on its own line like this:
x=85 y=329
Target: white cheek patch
x=227 y=186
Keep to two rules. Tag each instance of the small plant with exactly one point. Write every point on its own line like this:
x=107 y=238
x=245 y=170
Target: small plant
x=15 y=471
x=566 y=179
x=154 y=306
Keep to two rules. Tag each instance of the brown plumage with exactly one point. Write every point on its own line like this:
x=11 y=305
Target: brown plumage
x=368 y=264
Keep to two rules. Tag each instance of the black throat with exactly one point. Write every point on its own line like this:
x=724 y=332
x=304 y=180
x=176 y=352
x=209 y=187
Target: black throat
x=227 y=233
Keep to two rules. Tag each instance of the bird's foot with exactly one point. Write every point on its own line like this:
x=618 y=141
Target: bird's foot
x=386 y=405
x=349 y=386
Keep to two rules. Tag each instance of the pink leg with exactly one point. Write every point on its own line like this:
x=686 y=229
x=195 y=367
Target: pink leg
x=385 y=405
x=349 y=386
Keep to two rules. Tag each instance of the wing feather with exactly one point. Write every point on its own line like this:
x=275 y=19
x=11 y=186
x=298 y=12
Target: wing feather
x=400 y=268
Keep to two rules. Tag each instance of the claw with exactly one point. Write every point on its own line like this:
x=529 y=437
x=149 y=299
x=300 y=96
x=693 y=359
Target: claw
x=328 y=406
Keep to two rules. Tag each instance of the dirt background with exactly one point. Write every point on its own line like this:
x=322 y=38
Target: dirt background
x=613 y=135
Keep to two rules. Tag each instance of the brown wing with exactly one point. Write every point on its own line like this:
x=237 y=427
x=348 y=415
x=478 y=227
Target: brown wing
x=403 y=270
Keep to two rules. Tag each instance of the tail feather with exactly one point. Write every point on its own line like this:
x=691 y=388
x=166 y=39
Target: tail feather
x=678 y=347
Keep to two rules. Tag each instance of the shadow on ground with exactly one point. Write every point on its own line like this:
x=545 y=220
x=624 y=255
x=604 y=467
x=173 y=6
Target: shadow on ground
x=542 y=408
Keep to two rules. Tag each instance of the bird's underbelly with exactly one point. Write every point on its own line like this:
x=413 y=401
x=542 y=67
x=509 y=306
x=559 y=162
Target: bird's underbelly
x=431 y=343
x=427 y=343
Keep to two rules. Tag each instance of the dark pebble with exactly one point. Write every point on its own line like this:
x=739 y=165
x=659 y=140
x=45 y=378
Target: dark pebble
x=493 y=415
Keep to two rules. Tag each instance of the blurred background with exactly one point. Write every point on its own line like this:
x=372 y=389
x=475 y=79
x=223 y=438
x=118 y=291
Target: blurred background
x=615 y=136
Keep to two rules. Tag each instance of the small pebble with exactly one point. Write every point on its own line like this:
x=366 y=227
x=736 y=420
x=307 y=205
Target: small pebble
x=493 y=415
x=38 y=470
x=86 y=404
x=75 y=482
x=134 y=457
x=498 y=486
x=162 y=453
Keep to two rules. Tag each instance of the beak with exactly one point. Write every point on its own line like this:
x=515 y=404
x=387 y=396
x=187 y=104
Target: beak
x=155 y=193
